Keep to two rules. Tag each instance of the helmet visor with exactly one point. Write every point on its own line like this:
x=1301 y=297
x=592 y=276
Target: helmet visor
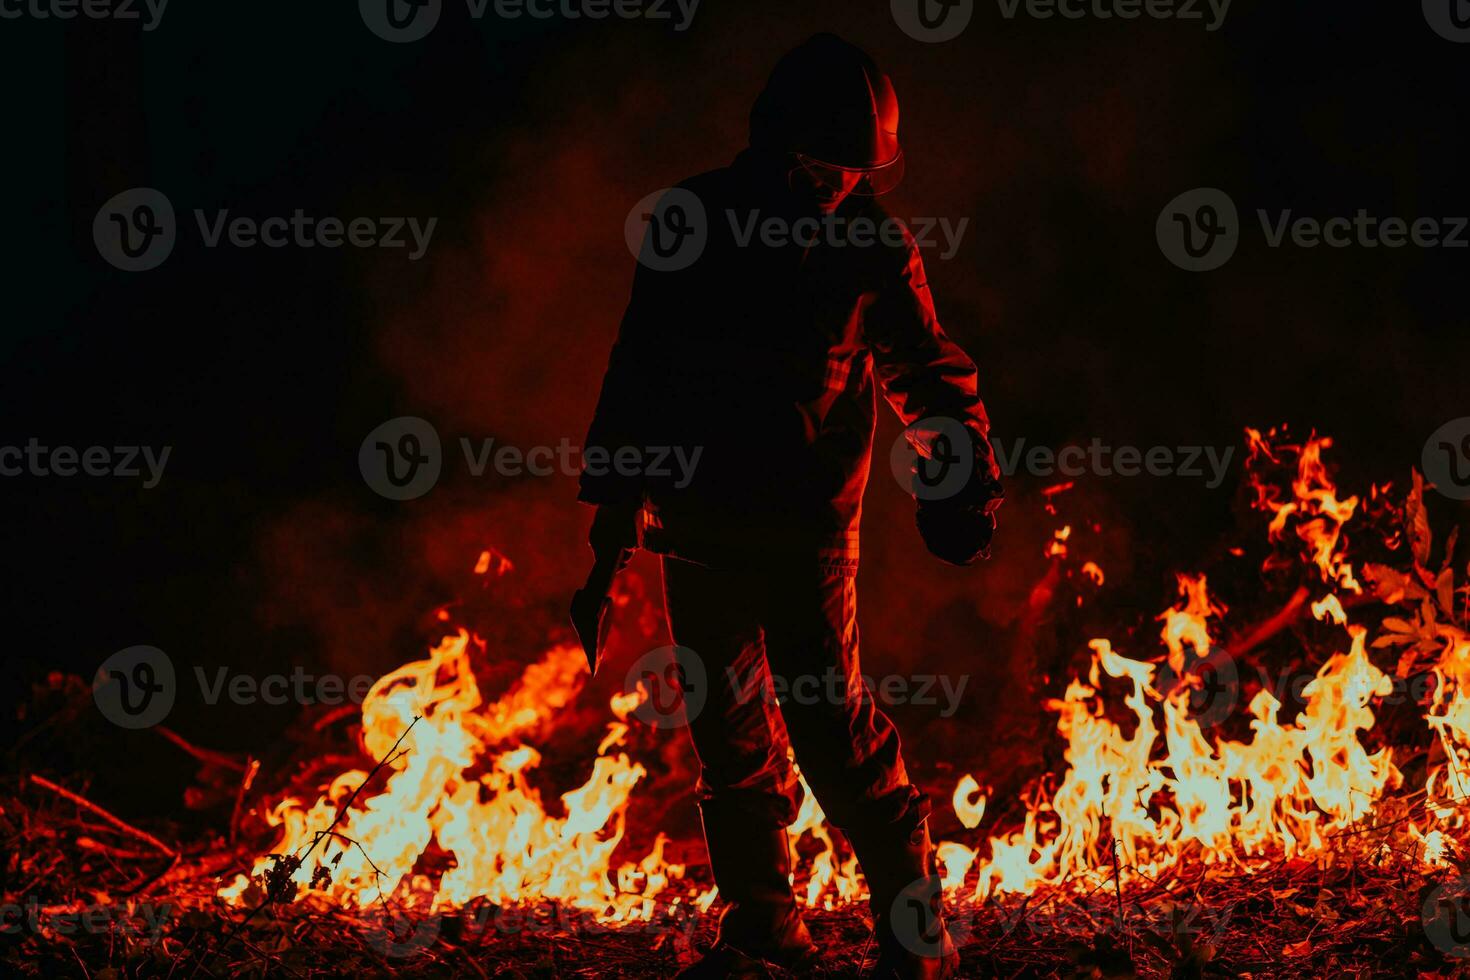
x=870 y=181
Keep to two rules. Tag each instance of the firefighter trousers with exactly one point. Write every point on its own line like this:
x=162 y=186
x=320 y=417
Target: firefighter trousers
x=777 y=650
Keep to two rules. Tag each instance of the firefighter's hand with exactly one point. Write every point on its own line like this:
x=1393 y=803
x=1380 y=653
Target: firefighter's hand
x=959 y=529
x=614 y=528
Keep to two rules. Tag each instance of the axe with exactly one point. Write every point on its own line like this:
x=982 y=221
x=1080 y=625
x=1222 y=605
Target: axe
x=590 y=603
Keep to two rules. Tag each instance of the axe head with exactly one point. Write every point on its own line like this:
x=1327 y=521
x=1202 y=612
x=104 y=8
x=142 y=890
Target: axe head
x=589 y=619
x=590 y=604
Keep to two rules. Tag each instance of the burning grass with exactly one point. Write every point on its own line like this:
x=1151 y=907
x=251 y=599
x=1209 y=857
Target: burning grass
x=1274 y=793
x=1289 y=919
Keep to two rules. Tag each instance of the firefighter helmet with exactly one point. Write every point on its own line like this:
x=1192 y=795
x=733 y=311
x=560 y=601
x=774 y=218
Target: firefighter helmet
x=829 y=105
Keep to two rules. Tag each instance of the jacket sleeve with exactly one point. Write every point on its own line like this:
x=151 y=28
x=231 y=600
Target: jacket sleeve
x=625 y=405
x=923 y=373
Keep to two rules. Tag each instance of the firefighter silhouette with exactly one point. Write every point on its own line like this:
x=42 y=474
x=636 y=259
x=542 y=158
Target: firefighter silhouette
x=767 y=353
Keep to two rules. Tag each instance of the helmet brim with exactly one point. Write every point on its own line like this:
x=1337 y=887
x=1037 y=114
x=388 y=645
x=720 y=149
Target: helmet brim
x=872 y=182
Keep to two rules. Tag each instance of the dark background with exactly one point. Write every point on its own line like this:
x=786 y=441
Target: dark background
x=530 y=140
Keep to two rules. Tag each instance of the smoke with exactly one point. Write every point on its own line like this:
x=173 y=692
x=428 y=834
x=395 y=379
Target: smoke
x=1060 y=149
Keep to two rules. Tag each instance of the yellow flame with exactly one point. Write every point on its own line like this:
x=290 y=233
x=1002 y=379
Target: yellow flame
x=446 y=785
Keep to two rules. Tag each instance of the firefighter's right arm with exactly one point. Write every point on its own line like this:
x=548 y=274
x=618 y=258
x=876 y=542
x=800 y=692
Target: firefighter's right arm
x=625 y=409
x=624 y=404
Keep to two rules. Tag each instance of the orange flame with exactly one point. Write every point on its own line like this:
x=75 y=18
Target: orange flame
x=1144 y=795
x=504 y=843
x=1159 y=789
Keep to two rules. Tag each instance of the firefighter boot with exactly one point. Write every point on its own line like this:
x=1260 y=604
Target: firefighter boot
x=752 y=867
x=908 y=919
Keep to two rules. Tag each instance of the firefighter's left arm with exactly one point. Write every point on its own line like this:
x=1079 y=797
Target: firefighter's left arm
x=924 y=374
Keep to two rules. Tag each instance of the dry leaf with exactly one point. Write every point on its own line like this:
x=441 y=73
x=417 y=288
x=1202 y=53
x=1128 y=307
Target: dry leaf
x=1417 y=520
x=1389 y=584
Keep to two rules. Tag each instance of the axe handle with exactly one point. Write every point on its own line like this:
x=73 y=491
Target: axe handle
x=604 y=570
